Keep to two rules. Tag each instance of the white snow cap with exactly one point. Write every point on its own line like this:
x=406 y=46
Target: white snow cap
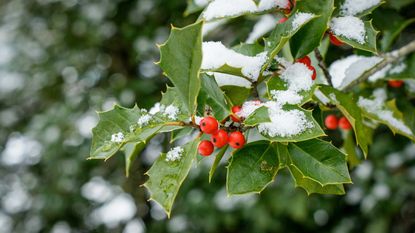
x=286 y=97
x=377 y=107
x=144 y=120
x=174 y=154
x=284 y=123
x=353 y=7
x=231 y=80
x=298 y=77
x=249 y=107
x=171 y=112
x=350 y=27
x=216 y=55
x=231 y=8
x=388 y=69
x=201 y=3
x=117 y=137
x=301 y=18
x=345 y=71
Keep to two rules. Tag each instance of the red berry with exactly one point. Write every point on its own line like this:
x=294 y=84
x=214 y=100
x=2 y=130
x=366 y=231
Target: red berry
x=236 y=140
x=335 y=41
x=209 y=125
x=220 y=138
x=395 y=83
x=235 y=110
x=305 y=60
x=331 y=122
x=282 y=20
x=205 y=148
x=314 y=76
x=344 y=123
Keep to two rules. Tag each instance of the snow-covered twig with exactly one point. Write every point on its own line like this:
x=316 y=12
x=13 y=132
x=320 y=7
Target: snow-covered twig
x=388 y=58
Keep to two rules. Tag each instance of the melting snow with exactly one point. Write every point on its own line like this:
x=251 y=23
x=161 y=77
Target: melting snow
x=231 y=8
x=349 y=27
x=174 y=154
x=353 y=7
x=216 y=55
x=377 y=107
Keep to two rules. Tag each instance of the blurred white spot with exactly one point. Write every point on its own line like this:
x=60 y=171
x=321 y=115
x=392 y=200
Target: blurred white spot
x=8 y=117
x=321 y=217
x=368 y=203
x=61 y=227
x=20 y=149
x=127 y=97
x=354 y=195
x=178 y=224
x=6 y=223
x=98 y=190
x=381 y=191
x=109 y=104
x=86 y=123
x=70 y=74
x=10 y=82
x=225 y=203
x=157 y=212
x=118 y=210
x=364 y=170
x=148 y=69
x=410 y=151
x=394 y=160
x=135 y=226
x=33 y=224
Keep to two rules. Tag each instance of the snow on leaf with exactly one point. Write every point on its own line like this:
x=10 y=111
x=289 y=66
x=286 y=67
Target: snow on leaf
x=349 y=27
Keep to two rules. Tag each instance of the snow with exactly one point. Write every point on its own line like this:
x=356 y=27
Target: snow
x=248 y=108
x=174 y=154
x=156 y=108
x=117 y=137
x=216 y=55
x=286 y=97
x=171 y=112
x=349 y=27
x=301 y=18
x=265 y=24
x=353 y=7
x=144 y=120
x=320 y=96
x=388 y=70
x=231 y=80
x=231 y=8
x=298 y=77
x=346 y=70
x=284 y=123
x=198 y=119
x=201 y=3
x=210 y=26
x=376 y=107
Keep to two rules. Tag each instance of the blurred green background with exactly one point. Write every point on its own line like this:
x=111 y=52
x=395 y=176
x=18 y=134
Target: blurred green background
x=61 y=60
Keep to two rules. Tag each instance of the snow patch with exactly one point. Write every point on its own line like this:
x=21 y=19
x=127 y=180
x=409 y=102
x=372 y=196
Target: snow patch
x=117 y=137
x=216 y=55
x=231 y=80
x=248 y=108
x=286 y=97
x=354 y=7
x=298 y=77
x=301 y=18
x=265 y=24
x=350 y=27
x=171 y=112
x=174 y=154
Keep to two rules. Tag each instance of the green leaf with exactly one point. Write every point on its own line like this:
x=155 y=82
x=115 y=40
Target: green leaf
x=309 y=38
x=339 y=3
x=211 y=95
x=166 y=177
x=350 y=149
x=177 y=134
x=319 y=161
x=114 y=121
x=192 y=7
x=172 y=97
x=347 y=104
x=218 y=158
x=237 y=95
x=260 y=115
x=370 y=39
x=131 y=151
x=310 y=186
x=282 y=33
x=252 y=168
x=314 y=131
x=248 y=49
x=181 y=59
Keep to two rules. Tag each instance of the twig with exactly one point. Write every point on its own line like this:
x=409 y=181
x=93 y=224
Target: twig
x=388 y=58
x=323 y=66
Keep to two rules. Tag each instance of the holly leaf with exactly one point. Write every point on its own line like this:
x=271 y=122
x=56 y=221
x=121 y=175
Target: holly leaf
x=192 y=7
x=349 y=147
x=181 y=59
x=252 y=168
x=277 y=84
x=166 y=177
x=338 y=9
x=131 y=151
x=237 y=95
x=347 y=104
x=283 y=32
x=370 y=39
x=248 y=49
x=260 y=115
x=308 y=38
x=210 y=94
x=116 y=120
x=319 y=161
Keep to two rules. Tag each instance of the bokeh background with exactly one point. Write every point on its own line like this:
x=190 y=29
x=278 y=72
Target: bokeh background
x=61 y=60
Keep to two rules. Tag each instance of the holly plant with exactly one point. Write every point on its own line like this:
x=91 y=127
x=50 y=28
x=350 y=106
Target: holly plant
x=269 y=103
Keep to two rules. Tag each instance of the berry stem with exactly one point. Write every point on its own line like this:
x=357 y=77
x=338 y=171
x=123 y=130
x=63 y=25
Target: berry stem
x=323 y=66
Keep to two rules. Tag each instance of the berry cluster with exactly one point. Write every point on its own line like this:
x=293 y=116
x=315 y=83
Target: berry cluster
x=220 y=137
x=395 y=83
x=307 y=61
x=332 y=122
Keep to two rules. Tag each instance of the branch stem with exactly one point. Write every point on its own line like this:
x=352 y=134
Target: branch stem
x=323 y=66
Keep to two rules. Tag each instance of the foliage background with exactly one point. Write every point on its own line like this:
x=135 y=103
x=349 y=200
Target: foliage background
x=62 y=60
